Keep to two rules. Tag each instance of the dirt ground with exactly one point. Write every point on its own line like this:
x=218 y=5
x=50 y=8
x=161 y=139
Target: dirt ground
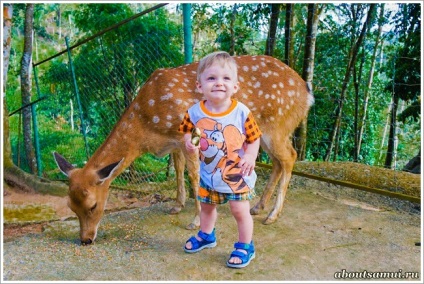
x=324 y=232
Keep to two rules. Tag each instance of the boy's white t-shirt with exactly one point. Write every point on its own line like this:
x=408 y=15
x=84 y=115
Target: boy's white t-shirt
x=222 y=144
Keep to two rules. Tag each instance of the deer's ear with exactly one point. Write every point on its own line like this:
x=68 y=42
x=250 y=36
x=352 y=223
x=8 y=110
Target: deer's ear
x=107 y=172
x=64 y=166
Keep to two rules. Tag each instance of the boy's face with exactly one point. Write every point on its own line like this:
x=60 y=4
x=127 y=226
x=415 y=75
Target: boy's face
x=218 y=83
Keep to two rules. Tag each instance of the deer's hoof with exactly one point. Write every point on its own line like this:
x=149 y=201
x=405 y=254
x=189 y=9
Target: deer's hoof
x=269 y=220
x=254 y=211
x=175 y=210
x=191 y=226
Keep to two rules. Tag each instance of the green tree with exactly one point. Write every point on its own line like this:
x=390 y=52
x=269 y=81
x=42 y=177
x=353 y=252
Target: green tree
x=406 y=72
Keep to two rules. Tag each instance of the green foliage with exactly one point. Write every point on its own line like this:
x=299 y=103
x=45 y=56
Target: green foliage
x=111 y=68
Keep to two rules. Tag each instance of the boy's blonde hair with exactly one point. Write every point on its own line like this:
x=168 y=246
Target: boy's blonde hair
x=221 y=57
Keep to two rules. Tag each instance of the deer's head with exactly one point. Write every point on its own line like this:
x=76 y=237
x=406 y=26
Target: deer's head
x=88 y=192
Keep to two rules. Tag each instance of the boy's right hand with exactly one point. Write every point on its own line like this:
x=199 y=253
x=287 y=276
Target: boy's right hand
x=188 y=143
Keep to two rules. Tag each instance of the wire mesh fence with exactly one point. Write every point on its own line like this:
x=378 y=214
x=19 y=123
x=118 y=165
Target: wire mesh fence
x=86 y=89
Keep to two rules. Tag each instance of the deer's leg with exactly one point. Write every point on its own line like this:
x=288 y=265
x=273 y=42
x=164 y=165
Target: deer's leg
x=193 y=167
x=179 y=163
x=287 y=156
x=270 y=186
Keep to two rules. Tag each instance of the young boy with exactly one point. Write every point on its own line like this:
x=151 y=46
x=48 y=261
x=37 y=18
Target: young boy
x=229 y=144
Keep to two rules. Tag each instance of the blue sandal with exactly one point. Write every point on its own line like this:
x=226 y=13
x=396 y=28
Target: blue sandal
x=208 y=241
x=245 y=258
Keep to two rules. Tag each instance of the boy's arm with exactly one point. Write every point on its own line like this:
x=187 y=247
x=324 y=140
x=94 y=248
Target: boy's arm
x=248 y=161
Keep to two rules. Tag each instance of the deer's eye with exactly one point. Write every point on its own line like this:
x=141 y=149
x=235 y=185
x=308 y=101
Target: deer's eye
x=93 y=207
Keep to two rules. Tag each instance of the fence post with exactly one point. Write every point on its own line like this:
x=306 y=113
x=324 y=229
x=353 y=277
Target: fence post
x=71 y=66
x=188 y=45
x=35 y=126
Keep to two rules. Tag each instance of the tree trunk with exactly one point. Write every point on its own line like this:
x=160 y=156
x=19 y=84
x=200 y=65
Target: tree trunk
x=288 y=31
x=26 y=86
x=414 y=165
x=352 y=61
x=273 y=24
x=357 y=78
x=392 y=134
x=367 y=94
x=12 y=174
x=232 y=39
x=7 y=42
x=314 y=11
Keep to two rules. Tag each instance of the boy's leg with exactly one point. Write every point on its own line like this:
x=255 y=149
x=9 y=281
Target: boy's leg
x=241 y=212
x=208 y=215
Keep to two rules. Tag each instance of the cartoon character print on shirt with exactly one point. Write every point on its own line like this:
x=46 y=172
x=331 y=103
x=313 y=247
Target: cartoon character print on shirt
x=219 y=150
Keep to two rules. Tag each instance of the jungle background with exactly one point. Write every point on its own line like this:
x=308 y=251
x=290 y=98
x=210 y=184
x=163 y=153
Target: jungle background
x=70 y=70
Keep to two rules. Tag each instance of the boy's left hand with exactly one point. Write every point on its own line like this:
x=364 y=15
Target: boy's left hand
x=247 y=164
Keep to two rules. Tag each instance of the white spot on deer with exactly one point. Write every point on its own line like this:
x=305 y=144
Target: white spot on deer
x=241 y=79
x=250 y=91
x=166 y=97
x=156 y=78
x=131 y=116
x=151 y=102
x=186 y=80
x=274 y=86
x=257 y=85
x=168 y=124
x=291 y=82
x=260 y=93
x=273 y=96
x=178 y=101
x=281 y=85
x=171 y=85
x=175 y=80
x=155 y=119
x=245 y=68
x=276 y=74
x=280 y=111
x=169 y=117
x=255 y=67
x=292 y=102
x=244 y=96
x=269 y=104
x=136 y=106
x=265 y=75
x=287 y=106
x=249 y=84
x=266 y=96
x=181 y=90
x=263 y=64
x=151 y=82
x=272 y=118
x=184 y=84
x=181 y=116
x=184 y=73
x=250 y=103
x=290 y=93
x=253 y=109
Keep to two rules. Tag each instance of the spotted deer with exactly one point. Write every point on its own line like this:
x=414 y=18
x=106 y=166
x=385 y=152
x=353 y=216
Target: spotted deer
x=277 y=96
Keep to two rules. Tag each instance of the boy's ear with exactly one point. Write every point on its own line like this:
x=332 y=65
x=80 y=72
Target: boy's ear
x=199 y=87
x=236 y=87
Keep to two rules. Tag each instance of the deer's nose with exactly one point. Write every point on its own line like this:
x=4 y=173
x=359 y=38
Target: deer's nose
x=86 y=242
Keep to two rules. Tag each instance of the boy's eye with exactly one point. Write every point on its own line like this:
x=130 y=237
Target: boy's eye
x=210 y=78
